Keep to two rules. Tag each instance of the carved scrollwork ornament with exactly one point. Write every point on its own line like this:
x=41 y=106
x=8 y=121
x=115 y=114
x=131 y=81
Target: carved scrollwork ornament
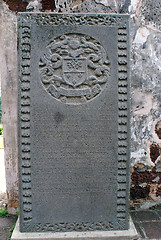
x=74 y=68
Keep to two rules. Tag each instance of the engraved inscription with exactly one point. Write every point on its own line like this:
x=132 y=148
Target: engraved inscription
x=74 y=69
x=65 y=76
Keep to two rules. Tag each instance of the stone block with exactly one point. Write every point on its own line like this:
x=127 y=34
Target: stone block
x=73 y=122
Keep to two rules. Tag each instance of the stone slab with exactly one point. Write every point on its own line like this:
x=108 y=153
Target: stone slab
x=73 y=122
x=130 y=234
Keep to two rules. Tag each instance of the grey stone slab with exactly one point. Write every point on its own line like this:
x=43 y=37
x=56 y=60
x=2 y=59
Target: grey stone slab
x=73 y=122
x=130 y=234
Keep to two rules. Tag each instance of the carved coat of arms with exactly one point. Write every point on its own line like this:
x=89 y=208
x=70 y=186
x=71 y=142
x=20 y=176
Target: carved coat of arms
x=74 y=69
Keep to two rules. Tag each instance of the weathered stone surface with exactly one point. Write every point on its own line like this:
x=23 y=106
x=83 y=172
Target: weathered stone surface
x=145 y=76
x=8 y=76
x=73 y=122
x=86 y=6
x=150 y=12
x=146 y=84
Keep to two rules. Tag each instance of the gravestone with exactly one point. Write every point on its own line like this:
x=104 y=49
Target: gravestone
x=74 y=126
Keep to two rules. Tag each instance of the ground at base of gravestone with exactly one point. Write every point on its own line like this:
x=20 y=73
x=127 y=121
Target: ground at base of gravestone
x=147 y=223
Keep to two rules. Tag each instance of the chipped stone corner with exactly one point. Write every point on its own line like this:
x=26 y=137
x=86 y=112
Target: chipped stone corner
x=34 y=6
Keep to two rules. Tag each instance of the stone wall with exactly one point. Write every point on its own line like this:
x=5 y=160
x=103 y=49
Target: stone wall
x=146 y=101
x=8 y=76
x=145 y=87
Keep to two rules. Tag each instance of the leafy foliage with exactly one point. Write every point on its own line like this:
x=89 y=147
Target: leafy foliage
x=11 y=231
x=3 y=212
x=0 y=110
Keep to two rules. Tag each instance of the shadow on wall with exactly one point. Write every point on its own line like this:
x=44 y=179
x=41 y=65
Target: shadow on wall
x=20 y=5
x=16 y=5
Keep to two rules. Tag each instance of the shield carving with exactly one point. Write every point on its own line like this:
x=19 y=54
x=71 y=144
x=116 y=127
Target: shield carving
x=74 y=71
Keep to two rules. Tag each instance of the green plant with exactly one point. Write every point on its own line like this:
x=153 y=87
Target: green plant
x=11 y=231
x=1 y=129
x=0 y=109
x=155 y=208
x=3 y=212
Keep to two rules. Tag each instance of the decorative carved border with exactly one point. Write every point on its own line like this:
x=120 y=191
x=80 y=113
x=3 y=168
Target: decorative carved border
x=75 y=19
x=122 y=123
x=24 y=118
x=119 y=21
x=84 y=226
